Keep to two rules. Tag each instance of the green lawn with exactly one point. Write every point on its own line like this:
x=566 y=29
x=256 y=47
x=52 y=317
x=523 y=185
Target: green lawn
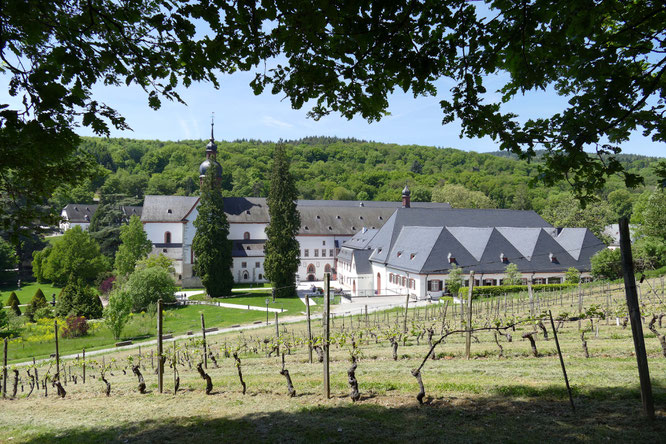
x=293 y=306
x=27 y=291
x=38 y=339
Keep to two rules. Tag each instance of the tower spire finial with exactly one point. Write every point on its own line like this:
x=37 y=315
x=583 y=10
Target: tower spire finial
x=212 y=125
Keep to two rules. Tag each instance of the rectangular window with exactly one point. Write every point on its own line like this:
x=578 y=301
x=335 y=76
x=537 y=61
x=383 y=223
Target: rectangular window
x=243 y=264
x=306 y=253
x=323 y=242
x=316 y=252
x=330 y=252
x=257 y=264
x=323 y=252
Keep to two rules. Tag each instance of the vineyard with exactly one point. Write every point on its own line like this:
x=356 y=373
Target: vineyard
x=395 y=375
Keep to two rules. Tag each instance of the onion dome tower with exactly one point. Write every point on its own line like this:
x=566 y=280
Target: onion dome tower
x=210 y=162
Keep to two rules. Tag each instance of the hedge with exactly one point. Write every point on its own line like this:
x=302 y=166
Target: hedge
x=498 y=290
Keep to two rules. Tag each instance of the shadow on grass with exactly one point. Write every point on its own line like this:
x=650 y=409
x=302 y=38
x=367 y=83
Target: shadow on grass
x=539 y=415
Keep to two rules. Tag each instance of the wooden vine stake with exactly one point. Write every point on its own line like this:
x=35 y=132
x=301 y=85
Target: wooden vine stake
x=160 y=361
x=327 y=332
x=203 y=333
x=307 y=312
x=468 y=339
x=559 y=352
x=55 y=330
x=635 y=317
x=4 y=372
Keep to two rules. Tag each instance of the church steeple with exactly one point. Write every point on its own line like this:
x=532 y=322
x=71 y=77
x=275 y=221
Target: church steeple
x=211 y=154
x=211 y=148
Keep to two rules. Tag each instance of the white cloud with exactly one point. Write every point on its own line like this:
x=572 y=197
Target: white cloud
x=275 y=123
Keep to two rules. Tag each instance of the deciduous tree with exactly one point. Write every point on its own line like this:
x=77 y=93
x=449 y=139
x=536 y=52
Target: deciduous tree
x=134 y=246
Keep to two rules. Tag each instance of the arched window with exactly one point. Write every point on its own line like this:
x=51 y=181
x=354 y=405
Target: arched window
x=246 y=275
x=311 y=268
x=246 y=235
x=327 y=268
x=167 y=237
x=261 y=276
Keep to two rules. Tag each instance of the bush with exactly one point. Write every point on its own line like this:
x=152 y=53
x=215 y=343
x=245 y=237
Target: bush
x=107 y=284
x=43 y=313
x=146 y=286
x=79 y=299
x=38 y=301
x=13 y=302
x=607 y=264
x=75 y=326
x=498 y=290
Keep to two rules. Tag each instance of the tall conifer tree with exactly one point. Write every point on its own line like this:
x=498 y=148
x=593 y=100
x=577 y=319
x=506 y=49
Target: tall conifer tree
x=282 y=248
x=211 y=244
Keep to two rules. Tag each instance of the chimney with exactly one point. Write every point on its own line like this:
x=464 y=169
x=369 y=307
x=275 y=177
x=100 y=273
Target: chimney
x=406 y=201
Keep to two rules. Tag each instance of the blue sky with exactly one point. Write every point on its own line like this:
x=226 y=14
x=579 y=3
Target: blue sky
x=239 y=114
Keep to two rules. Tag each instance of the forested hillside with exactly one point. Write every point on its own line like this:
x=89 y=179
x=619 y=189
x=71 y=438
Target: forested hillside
x=332 y=168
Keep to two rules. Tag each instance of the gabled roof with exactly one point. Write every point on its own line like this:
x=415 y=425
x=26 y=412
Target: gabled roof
x=473 y=239
x=167 y=208
x=523 y=239
x=320 y=217
x=79 y=213
x=433 y=241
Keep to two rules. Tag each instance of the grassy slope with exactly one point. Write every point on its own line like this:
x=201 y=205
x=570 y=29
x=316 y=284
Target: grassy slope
x=177 y=320
x=488 y=399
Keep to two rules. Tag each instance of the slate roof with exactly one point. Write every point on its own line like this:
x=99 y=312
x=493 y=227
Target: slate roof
x=83 y=213
x=248 y=248
x=167 y=208
x=425 y=241
x=320 y=217
x=79 y=213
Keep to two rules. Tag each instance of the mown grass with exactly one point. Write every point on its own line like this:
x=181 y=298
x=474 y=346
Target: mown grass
x=27 y=291
x=258 y=299
x=518 y=398
x=140 y=328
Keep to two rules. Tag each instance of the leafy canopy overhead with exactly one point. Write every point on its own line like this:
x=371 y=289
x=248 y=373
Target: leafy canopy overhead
x=606 y=58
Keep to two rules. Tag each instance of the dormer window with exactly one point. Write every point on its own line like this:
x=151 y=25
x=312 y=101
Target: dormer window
x=399 y=253
x=379 y=250
x=552 y=257
x=169 y=211
x=381 y=218
x=360 y=217
x=247 y=212
x=338 y=217
x=353 y=228
x=330 y=228
x=318 y=217
x=503 y=258
x=411 y=256
x=306 y=228
x=451 y=258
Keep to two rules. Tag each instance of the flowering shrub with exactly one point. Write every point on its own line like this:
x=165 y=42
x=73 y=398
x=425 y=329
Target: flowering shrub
x=107 y=285
x=75 y=326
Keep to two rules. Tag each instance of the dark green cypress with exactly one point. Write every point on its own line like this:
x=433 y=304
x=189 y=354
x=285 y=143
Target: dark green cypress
x=282 y=248
x=13 y=303
x=211 y=244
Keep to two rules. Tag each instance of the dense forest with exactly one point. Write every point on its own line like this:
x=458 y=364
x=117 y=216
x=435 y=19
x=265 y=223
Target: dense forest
x=333 y=168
